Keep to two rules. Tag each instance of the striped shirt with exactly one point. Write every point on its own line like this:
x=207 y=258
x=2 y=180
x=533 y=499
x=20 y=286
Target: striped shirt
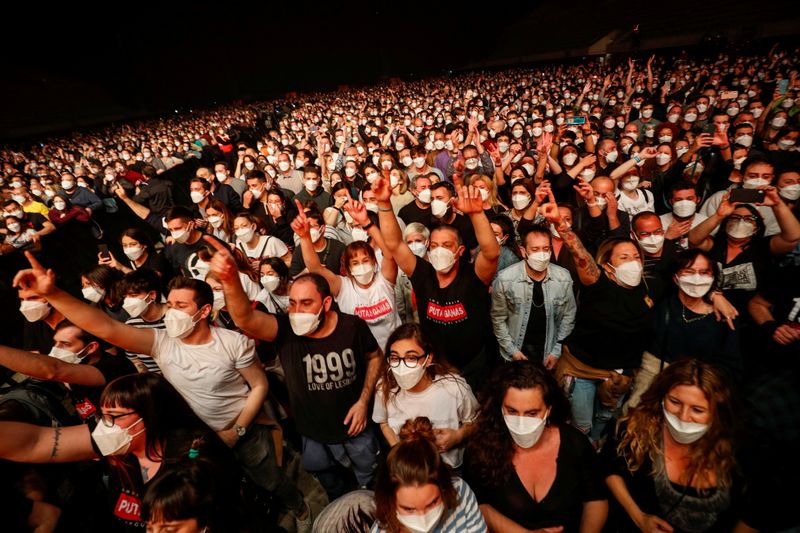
x=466 y=518
x=140 y=358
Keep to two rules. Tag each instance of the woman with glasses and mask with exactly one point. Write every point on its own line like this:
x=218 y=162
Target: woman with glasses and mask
x=740 y=247
x=686 y=326
x=416 y=383
x=531 y=470
x=670 y=463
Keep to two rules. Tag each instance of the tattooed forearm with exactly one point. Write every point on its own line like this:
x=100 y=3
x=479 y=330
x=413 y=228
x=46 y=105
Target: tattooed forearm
x=587 y=268
x=56 y=437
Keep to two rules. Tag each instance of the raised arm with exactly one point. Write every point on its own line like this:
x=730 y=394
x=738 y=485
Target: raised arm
x=42 y=282
x=700 y=235
x=390 y=229
x=26 y=443
x=787 y=239
x=138 y=209
x=302 y=228
x=470 y=203
x=588 y=271
x=253 y=323
x=49 y=368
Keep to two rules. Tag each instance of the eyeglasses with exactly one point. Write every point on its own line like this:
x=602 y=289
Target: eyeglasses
x=746 y=218
x=109 y=420
x=410 y=361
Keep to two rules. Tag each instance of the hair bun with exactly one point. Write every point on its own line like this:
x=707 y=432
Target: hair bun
x=418 y=428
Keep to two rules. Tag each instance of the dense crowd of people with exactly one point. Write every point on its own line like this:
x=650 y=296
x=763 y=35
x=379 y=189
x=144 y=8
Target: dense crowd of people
x=561 y=298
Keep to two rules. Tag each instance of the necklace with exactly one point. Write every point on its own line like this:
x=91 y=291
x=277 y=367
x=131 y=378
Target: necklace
x=690 y=320
x=533 y=301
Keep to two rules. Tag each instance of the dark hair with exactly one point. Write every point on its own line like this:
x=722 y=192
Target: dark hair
x=179 y=212
x=140 y=280
x=139 y=236
x=539 y=229
x=205 y=183
x=760 y=226
x=256 y=174
x=149 y=171
x=350 y=251
x=755 y=158
x=203 y=295
x=107 y=278
x=682 y=185
x=319 y=281
x=84 y=335
x=446 y=185
x=414 y=461
x=279 y=267
x=490 y=449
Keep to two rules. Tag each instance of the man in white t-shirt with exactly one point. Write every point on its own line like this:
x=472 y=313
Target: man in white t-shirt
x=214 y=369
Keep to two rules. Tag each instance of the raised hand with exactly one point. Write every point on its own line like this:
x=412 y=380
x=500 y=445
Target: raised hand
x=35 y=279
x=469 y=200
x=550 y=211
x=725 y=207
x=301 y=225
x=771 y=197
x=222 y=263
x=543 y=192
x=611 y=205
x=358 y=212
x=584 y=190
x=648 y=153
x=382 y=189
x=676 y=229
x=587 y=161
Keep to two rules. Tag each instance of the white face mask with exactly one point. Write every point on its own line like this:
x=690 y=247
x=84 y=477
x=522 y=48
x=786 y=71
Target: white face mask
x=407 y=378
x=520 y=201
x=363 y=273
x=219 y=301
x=68 y=185
x=629 y=273
x=777 y=123
x=570 y=158
x=65 y=355
x=33 y=310
x=471 y=163
x=630 y=183
x=662 y=158
x=215 y=221
x=442 y=259
x=197 y=196
x=316 y=234
x=418 y=248
x=612 y=156
x=134 y=306
x=13 y=227
x=695 y=285
x=60 y=206
x=113 y=440
x=179 y=324
x=386 y=165
x=684 y=208
x=702 y=108
x=270 y=282
x=684 y=432
x=587 y=175
x=93 y=294
x=245 y=234
x=422 y=523
x=439 y=208
x=311 y=185
x=424 y=196
x=256 y=193
x=305 y=323
x=133 y=252
x=180 y=236
x=525 y=430
x=682 y=150
x=744 y=140
x=538 y=261
x=283 y=165
x=221 y=176
x=790 y=192
x=755 y=183
x=690 y=117
x=740 y=229
x=652 y=244
x=609 y=124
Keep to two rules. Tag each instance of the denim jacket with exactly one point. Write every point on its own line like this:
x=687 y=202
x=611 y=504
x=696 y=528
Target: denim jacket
x=512 y=291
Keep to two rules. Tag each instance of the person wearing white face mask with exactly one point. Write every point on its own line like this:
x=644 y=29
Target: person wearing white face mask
x=592 y=358
x=524 y=450
x=331 y=419
x=658 y=244
x=451 y=294
x=420 y=209
x=475 y=160
x=275 y=285
x=328 y=248
x=75 y=359
x=368 y=289
x=99 y=288
x=142 y=293
x=417 y=384
x=227 y=392
x=79 y=196
x=184 y=241
x=686 y=326
x=788 y=184
x=686 y=420
x=416 y=492
x=420 y=165
x=684 y=215
x=223 y=176
x=256 y=246
x=741 y=247
x=533 y=304
x=288 y=177
x=312 y=189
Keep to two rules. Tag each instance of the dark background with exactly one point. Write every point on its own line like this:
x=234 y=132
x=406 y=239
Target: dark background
x=80 y=63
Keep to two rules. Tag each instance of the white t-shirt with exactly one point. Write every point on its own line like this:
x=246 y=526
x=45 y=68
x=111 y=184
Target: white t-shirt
x=275 y=303
x=267 y=246
x=448 y=403
x=772 y=228
x=375 y=305
x=207 y=375
x=643 y=202
x=683 y=242
x=251 y=288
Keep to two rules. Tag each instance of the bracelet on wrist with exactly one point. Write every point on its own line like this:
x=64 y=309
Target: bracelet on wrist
x=384 y=209
x=366 y=228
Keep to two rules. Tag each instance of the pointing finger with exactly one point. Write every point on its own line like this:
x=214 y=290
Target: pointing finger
x=34 y=262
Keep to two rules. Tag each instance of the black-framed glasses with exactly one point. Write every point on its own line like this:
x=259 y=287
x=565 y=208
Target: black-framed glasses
x=411 y=361
x=109 y=420
x=747 y=218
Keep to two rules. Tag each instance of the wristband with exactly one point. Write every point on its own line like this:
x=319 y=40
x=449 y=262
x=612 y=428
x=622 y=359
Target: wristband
x=365 y=228
x=385 y=209
x=636 y=158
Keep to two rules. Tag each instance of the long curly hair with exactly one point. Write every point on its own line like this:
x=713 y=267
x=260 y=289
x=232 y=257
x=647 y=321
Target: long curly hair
x=641 y=431
x=414 y=461
x=490 y=449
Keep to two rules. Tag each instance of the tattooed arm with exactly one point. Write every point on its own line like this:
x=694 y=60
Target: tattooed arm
x=588 y=271
x=25 y=443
